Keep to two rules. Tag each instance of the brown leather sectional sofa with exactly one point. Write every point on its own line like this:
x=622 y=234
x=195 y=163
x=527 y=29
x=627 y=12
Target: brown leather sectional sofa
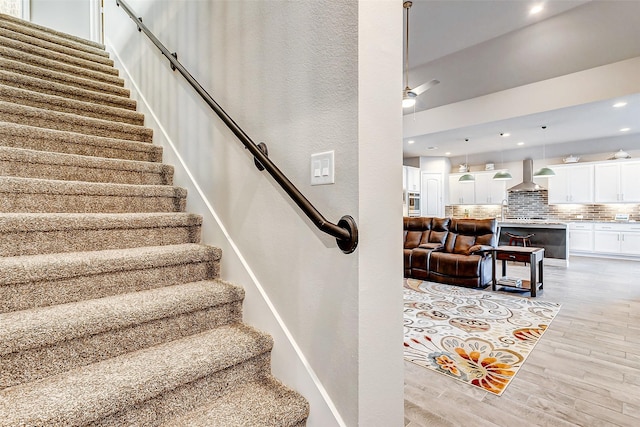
x=452 y=251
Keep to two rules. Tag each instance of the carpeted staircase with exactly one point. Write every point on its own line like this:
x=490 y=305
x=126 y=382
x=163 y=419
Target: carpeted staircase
x=111 y=311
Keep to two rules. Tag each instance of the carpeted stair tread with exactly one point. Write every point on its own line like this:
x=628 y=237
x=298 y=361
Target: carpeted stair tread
x=43 y=31
x=46 y=326
x=48 y=64
x=52 y=48
x=59 y=266
x=52 y=38
x=42 y=342
x=35 y=138
x=19 y=67
x=44 y=280
x=45 y=233
x=38 y=117
x=86 y=394
x=24 y=163
x=57 y=57
x=41 y=195
x=34 y=84
x=37 y=99
x=261 y=403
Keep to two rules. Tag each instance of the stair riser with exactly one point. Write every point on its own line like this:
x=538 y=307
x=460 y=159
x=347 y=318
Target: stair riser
x=182 y=399
x=61 y=78
x=57 y=56
x=57 y=241
x=35 y=99
x=77 y=124
x=84 y=173
x=58 y=142
x=18 y=36
x=60 y=67
x=34 y=84
x=68 y=203
x=39 y=363
x=22 y=296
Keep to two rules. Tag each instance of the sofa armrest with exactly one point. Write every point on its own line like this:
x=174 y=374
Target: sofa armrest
x=480 y=249
x=432 y=246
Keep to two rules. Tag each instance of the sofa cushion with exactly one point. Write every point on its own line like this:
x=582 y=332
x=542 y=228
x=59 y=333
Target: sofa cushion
x=412 y=239
x=416 y=231
x=450 y=264
x=463 y=243
x=484 y=230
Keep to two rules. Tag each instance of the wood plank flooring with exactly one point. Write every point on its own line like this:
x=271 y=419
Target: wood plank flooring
x=585 y=371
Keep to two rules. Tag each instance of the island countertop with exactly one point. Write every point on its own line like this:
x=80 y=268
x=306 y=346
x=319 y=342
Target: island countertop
x=532 y=223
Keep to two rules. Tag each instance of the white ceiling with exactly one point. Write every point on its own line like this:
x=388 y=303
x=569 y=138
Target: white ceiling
x=480 y=47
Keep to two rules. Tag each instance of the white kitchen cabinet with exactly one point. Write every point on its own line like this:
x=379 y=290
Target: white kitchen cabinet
x=571 y=184
x=630 y=243
x=615 y=182
x=413 y=179
x=461 y=193
x=623 y=239
x=489 y=191
x=580 y=237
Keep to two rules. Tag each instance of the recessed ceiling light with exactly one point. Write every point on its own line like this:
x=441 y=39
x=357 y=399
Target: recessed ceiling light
x=432 y=148
x=619 y=104
x=536 y=9
x=521 y=143
x=448 y=153
x=505 y=134
x=410 y=141
x=625 y=129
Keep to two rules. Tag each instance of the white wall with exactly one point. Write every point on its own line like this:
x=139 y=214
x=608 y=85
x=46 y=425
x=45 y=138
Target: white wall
x=305 y=77
x=68 y=16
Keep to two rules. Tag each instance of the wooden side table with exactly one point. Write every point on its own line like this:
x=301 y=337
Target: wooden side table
x=534 y=256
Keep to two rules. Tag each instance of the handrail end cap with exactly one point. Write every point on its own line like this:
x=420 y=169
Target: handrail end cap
x=348 y=245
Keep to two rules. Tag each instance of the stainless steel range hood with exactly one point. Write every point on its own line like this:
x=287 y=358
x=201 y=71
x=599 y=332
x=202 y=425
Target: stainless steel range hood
x=527 y=183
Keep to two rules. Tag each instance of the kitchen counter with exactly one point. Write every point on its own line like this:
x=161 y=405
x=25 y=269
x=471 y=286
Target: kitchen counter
x=551 y=235
x=532 y=223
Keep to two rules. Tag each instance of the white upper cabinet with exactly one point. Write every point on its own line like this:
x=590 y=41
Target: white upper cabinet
x=413 y=179
x=461 y=193
x=483 y=191
x=571 y=184
x=488 y=190
x=615 y=182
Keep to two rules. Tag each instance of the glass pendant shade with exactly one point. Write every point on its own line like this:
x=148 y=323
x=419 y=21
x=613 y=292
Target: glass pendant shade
x=544 y=172
x=502 y=176
x=467 y=177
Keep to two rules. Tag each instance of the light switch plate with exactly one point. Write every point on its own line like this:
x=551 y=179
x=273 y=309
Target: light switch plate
x=322 y=168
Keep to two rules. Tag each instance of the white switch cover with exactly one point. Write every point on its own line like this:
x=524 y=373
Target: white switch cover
x=322 y=168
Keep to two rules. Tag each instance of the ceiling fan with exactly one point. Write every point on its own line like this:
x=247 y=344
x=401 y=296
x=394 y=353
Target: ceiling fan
x=409 y=95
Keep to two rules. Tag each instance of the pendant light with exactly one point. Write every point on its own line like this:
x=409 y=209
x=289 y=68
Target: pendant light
x=502 y=175
x=544 y=172
x=467 y=177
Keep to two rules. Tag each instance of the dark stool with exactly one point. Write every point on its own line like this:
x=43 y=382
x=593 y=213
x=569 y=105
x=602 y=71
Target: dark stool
x=518 y=240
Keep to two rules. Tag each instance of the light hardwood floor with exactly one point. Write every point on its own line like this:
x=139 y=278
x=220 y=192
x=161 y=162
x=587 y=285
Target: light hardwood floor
x=585 y=370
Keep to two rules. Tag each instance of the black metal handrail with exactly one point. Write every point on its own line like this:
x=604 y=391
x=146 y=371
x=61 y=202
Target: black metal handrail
x=345 y=232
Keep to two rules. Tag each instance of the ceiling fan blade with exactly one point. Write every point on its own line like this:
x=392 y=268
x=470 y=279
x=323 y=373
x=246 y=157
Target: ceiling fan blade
x=425 y=86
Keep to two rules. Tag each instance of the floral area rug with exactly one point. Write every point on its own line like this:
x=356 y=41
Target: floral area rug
x=479 y=337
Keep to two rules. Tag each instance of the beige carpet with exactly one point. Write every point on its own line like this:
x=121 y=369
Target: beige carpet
x=111 y=310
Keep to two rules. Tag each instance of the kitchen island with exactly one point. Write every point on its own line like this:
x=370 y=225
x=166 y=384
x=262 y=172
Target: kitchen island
x=550 y=235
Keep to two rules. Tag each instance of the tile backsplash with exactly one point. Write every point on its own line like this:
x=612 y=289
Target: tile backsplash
x=534 y=205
